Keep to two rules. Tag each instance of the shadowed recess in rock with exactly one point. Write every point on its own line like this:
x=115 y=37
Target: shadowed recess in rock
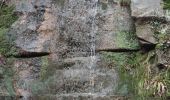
x=146 y=45
x=118 y=50
x=31 y=54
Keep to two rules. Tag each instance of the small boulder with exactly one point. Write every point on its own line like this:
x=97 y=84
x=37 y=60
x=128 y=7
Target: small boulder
x=145 y=33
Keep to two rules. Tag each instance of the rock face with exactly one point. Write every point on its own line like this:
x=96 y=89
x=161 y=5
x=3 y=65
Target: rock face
x=76 y=36
x=47 y=26
x=115 y=26
x=147 y=8
x=35 y=28
x=70 y=31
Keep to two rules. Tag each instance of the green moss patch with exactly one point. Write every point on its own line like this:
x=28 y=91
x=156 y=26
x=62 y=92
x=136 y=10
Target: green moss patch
x=7 y=17
x=59 y=2
x=104 y=6
x=6 y=81
x=44 y=68
x=125 y=2
x=118 y=58
x=3 y=42
x=127 y=40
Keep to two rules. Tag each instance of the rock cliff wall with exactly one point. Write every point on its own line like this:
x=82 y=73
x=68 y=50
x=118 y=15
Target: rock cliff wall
x=75 y=49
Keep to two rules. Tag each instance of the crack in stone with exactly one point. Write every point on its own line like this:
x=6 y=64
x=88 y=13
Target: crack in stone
x=25 y=54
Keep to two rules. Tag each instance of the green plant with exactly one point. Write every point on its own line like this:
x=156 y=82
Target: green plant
x=141 y=80
x=125 y=2
x=161 y=34
x=166 y=4
x=5 y=46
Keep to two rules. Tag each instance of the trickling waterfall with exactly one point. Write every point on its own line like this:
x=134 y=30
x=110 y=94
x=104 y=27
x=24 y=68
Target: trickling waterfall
x=92 y=49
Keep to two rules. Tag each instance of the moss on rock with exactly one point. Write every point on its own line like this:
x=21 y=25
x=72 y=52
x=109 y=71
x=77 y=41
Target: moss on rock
x=125 y=2
x=60 y=2
x=6 y=83
x=44 y=68
x=127 y=40
x=7 y=17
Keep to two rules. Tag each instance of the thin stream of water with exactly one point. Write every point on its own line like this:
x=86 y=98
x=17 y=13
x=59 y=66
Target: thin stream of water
x=92 y=49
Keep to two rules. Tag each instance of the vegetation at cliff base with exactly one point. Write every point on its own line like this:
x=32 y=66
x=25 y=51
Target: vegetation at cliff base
x=139 y=77
x=146 y=75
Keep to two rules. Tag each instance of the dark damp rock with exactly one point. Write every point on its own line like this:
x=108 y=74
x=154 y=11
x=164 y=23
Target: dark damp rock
x=146 y=46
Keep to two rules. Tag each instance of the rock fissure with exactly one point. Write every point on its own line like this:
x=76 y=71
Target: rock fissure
x=31 y=54
x=117 y=50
